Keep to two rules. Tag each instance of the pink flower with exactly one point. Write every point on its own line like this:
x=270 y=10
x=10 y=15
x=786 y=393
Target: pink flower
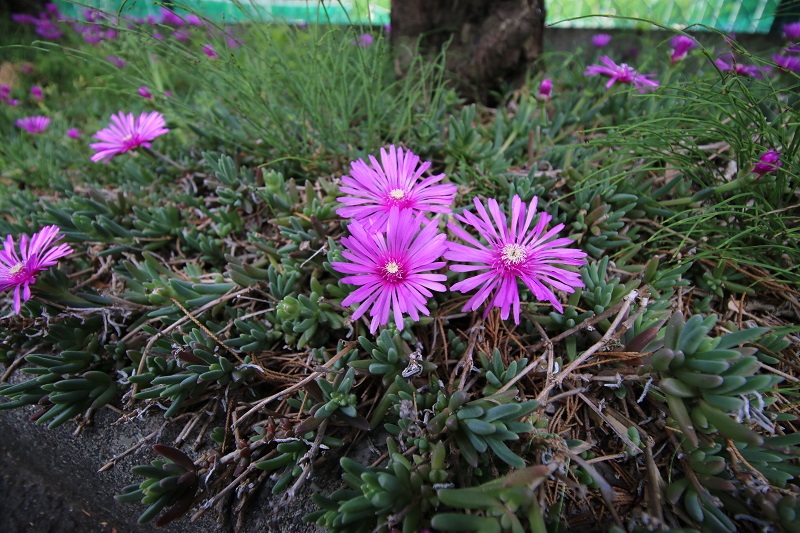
x=601 y=39
x=364 y=40
x=793 y=49
x=621 y=73
x=681 y=45
x=787 y=63
x=545 y=90
x=36 y=124
x=393 y=269
x=792 y=32
x=751 y=71
x=12 y=102
x=373 y=191
x=19 y=270
x=26 y=69
x=5 y=91
x=144 y=92
x=116 y=61
x=36 y=91
x=193 y=20
x=180 y=35
x=209 y=51
x=514 y=251
x=768 y=162
x=127 y=133
x=73 y=133
x=169 y=18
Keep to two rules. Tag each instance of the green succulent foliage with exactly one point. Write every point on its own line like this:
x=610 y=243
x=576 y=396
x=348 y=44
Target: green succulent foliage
x=602 y=291
x=698 y=507
x=170 y=484
x=280 y=195
x=92 y=219
x=484 y=424
x=469 y=156
x=408 y=412
x=721 y=278
x=663 y=280
x=396 y=496
x=496 y=373
x=287 y=456
x=237 y=188
x=306 y=320
x=387 y=356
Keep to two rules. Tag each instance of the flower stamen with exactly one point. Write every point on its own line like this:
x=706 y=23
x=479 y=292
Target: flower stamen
x=513 y=254
x=392 y=271
x=16 y=268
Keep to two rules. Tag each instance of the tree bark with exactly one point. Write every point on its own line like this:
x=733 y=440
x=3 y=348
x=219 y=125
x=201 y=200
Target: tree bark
x=489 y=42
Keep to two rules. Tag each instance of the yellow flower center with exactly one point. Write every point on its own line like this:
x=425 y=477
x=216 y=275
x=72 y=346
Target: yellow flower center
x=16 y=268
x=392 y=267
x=393 y=271
x=397 y=194
x=513 y=254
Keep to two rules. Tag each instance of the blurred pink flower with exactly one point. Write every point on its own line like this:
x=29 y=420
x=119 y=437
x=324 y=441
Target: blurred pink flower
x=373 y=191
x=621 y=73
x=180 y=35
x=751 y=71
x=73 y=133
x=127 y=133
x=681 y=44
x=36 y=124
x=364 y=40
x=601 y=39
x=545 y=90
x=792 y=32
x=194 y=20
x=145 y=92
x=787 y=63
x=37 y=93
x=35 y=255
x=116 y=61
x=768 y=162
x=393 y=269
x=209 y=51
x=512 y=252
x=12 y=102
x=5 y=91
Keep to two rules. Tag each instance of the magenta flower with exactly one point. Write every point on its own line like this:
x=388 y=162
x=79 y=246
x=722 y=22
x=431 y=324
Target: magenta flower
x=393 y=269
x=37 y=93
x=792 y=32
x=26 y=69
x=144 y=92
x=169 y=18
x=768 y=162
x=209 y=51
x=193 y=20
x=751 y=71
x=681 y=45
x=116 y=61
x=545 y=90
x=19 y=270
x=373 y=191
x=127 y=133
x=621 y=73
x=180 y=35
x=787 y=63
x=36 y=124
x=73 y=133
x=793 y=49
x=364 y=40
x=5 y=91
x=514 y=251
x=601 y=39
x=12 y=102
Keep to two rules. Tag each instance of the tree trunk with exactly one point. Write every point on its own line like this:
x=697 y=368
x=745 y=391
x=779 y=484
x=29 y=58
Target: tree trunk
x=489 y=42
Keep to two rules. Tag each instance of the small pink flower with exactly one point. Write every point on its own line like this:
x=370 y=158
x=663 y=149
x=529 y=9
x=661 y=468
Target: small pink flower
x=792 y=32
x=12 y=102
x=601 y=40
x=393 y=269
x=512 y=252
x=793 y=49
x=364 y=40
x=768 y=162
x=73 y=133
x=193 y=20
x=787 y=63
x=37 y=93
x=36 y=124
x=169 y=18
x=167 y=93
x=621 y=73
x=35 y=255
x=144 y=92
x=26 y=69
x=681 y=45
x=545 y=90
x=116 y=61
x=127 y=133
x=180 y=35
x=5 y=91
x=395 y=182
x=209 y=51
x=751 y=71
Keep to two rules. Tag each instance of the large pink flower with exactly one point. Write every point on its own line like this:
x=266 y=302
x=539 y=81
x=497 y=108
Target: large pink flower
x=512 y=252
x=621 y=73
x=395 y=182
x=19 y=270
x=393 y=269
x=127 y=133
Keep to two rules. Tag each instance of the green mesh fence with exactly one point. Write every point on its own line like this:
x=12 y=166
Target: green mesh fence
x=744 y=16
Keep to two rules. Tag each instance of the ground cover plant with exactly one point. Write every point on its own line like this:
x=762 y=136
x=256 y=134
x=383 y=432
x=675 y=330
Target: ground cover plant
x=576 y=308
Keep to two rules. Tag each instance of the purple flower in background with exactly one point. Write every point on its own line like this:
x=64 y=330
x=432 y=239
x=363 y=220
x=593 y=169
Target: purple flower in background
x=793 y=49
x=116 y=61
x=364 y=40
x=73 y=133
x=36 y=124
x=5 y=91
x=127 y=133
x=681 y=44
x=145 y=92
x=600 y=40
x=209 y=51
x=167 y=93
x=545 y=90
x=787 y=63
x=48 y=29
x=24 y=18
x=513 y=252
x=37 y=93
x=393 y=269
x=26 y=69
x=158 y=35
x=768 y=162
x=621 y=73
x=35 y=255
x=12 y=102
x=373 y=191
x=169 y=18
x=92 y=15
x=193 y=20
x=180 y=35
x=751 y=71
x=792 y=32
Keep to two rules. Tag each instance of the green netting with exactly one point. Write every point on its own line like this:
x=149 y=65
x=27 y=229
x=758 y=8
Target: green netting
x=745 y=16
